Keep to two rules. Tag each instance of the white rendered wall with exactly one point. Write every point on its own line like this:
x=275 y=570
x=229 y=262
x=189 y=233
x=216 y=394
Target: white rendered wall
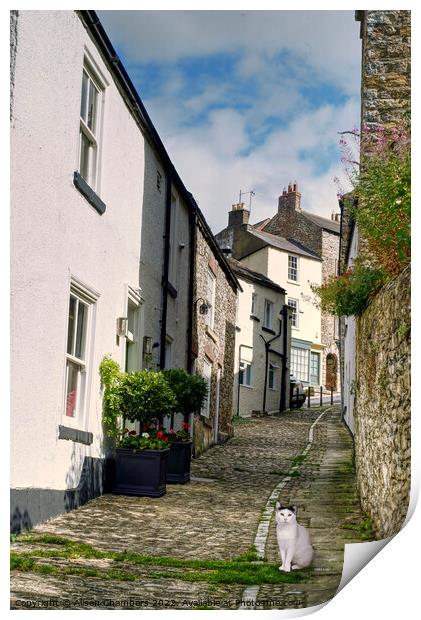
x=350 y=350
x=253 y=349
x=56 y=234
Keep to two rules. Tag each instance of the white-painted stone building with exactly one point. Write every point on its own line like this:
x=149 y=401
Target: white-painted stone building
x=262 y=345
x=103 y=253
x=294 y=268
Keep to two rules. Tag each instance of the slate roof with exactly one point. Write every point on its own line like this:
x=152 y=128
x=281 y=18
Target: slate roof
x=323 y=222
x=283 y=244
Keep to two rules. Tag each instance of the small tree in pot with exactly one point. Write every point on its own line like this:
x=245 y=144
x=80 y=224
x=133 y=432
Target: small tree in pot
x=141 y=456
x=190 y=394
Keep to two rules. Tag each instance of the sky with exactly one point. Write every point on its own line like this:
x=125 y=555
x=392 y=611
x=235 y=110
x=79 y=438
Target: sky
x=246 y=100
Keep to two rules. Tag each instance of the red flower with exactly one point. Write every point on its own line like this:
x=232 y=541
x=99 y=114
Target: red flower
x=159 y=435
x=166 y=439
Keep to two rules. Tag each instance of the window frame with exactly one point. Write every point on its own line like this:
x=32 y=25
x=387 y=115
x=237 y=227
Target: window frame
x=253 y=304
x=291 y=268
x=210 y=316
x=268 y=304
x=313 y=355
x=298 y=363
x=295 y=313
x=205 y=410
x=88 y=298
x=271 y=374
x=91 y=135
x=246 y=371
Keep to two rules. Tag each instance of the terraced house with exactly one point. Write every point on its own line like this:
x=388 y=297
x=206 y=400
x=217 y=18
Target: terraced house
x=103 y=254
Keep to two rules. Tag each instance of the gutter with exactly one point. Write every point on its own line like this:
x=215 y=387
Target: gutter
x=165 y=270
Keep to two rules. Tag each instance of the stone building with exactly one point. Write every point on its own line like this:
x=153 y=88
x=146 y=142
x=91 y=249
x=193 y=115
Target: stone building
x=213 y=337
x=303 y=233
x=295 y=269
x=321 y=235
x=262 y=345
x=376 y=345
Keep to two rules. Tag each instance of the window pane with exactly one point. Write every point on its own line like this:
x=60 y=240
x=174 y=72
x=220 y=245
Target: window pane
x=292 y=268
x=92 y=107
x=71 y=389
x=84 y=156
x=84 y=99
x=80 y=331
x=294 y=315
x=314 y=367
x=299 y=363
x=71 y=325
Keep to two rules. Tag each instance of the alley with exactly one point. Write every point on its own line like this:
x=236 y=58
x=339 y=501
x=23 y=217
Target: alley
x=195 y=547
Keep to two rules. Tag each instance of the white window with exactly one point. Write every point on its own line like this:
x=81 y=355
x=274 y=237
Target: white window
x=245 y=373
x=268 y=315
x=299 y=363
x=253 y=304
x=207 y=375
x=89 y=127
x=314 y=368
x=78 y=326
x=295 y=312
x=210 y=298
x=132 y=361
x=293 y=268
x=272 y=370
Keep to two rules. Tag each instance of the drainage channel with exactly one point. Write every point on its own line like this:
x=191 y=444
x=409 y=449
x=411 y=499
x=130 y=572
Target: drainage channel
x=250 y=594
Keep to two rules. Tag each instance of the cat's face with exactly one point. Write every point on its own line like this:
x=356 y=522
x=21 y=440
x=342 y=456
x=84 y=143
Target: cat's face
x=285 y=514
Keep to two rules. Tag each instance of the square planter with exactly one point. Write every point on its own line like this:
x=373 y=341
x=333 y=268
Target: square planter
x=141 y=472
x=179 y=461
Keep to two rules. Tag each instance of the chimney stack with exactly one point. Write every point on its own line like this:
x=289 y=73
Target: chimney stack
x=290 y=200
x=239 y=215
x=336 y=217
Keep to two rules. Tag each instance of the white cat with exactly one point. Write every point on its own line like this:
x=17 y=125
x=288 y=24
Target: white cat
x=293 y=539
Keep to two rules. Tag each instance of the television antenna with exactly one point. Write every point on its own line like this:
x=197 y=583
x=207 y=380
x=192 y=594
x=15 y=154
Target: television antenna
x=251 y=192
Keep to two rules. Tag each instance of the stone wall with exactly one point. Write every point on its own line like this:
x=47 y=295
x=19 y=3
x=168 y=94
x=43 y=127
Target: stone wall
x=386 y=67
x=382 y=406
x=217 y=345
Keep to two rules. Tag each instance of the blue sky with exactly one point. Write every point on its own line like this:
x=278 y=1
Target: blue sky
x=246 y=99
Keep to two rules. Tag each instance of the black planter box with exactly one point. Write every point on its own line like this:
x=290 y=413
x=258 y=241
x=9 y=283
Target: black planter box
x=179 y=460
x=141 y=472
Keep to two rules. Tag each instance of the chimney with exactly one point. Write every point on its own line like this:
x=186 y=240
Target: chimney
x=290 y=200
x=238 y=215
x=336 y=217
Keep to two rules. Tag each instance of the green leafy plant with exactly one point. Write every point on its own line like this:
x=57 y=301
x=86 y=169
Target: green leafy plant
x=142 y=396
x=349 y=293
x=190 y=391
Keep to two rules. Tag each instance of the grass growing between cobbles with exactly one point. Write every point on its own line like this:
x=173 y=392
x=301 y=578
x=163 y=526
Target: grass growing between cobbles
x=243 y=569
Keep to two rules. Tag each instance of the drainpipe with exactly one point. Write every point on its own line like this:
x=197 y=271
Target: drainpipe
x=192 y=308
x=246 y=346
x=267 y=349
x=283 y=399
x=165 y=269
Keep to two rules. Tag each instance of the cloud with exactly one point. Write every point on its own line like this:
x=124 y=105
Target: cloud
x=246 y=99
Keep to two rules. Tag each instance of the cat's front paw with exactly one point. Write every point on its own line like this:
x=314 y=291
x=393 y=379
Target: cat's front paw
x=281 y=567
x=287 y=569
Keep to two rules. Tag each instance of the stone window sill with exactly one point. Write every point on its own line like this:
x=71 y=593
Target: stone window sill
x=76 y=435
x=88 y=193
x=254 y=318
x=268 y=330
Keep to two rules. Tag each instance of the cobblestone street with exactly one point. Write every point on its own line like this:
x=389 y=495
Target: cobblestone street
x=213 y=520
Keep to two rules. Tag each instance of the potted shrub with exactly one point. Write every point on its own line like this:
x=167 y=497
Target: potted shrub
x=140 y=456
x=190 y=393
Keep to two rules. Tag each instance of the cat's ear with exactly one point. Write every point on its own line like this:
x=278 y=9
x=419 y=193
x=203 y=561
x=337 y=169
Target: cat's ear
x=278 y=506
x=293 y=508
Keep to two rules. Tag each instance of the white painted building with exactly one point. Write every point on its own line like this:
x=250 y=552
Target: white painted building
x=77 y=171
x=101 y=253
x=294 y=268
x=348 y=341
x=262 y=342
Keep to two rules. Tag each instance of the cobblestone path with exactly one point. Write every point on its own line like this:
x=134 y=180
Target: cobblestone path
x=213 y=518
